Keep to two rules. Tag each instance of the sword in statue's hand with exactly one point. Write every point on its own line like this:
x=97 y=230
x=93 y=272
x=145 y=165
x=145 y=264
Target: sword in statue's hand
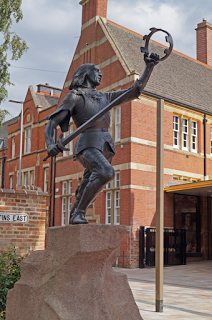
x=61 y=143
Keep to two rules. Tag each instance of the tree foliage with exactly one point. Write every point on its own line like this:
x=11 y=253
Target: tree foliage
x=10 y=10
x=10 y=263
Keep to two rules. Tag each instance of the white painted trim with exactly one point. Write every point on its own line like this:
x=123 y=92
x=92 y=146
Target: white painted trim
x=132 y=186
x=89 y=46
x=139 y=167
x=88 y=23
x=83 y=2
x=107 y=62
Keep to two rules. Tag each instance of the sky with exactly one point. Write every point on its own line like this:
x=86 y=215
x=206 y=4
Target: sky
x=51 y=29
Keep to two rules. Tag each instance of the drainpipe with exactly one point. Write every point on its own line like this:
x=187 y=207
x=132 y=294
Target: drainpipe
x=205 y=159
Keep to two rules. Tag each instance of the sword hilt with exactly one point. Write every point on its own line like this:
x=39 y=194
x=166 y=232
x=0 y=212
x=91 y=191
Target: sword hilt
x=59 y=145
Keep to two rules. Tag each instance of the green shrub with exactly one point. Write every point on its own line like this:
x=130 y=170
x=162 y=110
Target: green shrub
x=10 y=263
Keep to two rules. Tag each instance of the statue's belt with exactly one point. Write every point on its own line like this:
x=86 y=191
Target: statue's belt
x=95 y=130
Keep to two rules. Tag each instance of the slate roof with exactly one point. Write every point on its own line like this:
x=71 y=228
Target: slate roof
x=177 y=78
x=4 y=131
x=46 y=101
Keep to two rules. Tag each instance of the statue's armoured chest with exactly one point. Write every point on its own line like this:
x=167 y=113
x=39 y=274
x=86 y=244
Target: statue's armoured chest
x=87 y=107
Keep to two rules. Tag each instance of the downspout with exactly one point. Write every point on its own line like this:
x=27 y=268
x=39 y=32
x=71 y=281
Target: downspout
x=205 y=156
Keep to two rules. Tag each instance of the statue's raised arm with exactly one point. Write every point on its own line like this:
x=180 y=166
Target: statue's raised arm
x=89 y=110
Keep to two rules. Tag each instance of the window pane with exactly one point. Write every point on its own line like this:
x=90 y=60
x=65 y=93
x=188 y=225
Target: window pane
x=176 y=131
x=46 y=179
x=70 y=187
x=117 y=123
x=108 y=208
x=117 y=180
x=71 y=143
x=64 y=188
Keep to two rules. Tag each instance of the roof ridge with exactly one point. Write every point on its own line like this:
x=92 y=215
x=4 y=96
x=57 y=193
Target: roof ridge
x=10 y=120
x=112 y=42
x=32 y=91
x=175 y=51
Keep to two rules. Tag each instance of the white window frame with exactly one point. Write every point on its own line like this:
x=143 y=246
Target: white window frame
x=64 y=136
x=194 y=136
x=11 y=181
x=46 y=179
x=109 y=185
x=69 y=206
x=26 y=178
x=117 y=179
x=117 y=124
x=111 y=123
x=70 y=145
x=64 y=188
x=117 y=207
x=32 y=177
x=27 y=140
x=108 y=211
x=13 y=147
x=176 y=132
x=63 y=212
x=185 y=134
x=70 y=187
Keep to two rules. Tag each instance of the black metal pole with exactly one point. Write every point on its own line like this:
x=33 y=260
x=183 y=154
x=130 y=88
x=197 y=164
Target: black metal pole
x=54 y=175
x=50 y=191
x=3 y=165
x=205 y=159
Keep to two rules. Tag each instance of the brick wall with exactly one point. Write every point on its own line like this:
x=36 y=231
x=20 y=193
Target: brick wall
x=25 y=236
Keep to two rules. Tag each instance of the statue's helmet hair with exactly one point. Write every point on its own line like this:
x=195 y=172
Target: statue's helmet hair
x=80 y=75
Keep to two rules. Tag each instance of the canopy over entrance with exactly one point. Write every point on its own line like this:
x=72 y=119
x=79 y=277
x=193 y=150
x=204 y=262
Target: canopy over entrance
x=203 y=188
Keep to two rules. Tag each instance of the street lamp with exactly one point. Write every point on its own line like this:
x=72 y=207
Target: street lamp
x=21 y=138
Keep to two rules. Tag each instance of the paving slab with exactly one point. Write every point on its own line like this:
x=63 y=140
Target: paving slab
x=187 y=291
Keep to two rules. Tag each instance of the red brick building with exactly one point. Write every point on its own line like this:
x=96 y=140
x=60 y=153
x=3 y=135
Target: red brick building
x=36 y=107
x=185 y=86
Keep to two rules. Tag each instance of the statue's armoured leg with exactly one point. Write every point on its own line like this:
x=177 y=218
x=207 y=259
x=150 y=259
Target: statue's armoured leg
x=101 y=173
x=79 y=192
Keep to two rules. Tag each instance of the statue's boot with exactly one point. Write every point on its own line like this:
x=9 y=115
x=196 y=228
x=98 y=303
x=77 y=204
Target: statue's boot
x=78 y=217
x=91 y=190
x=79 y=192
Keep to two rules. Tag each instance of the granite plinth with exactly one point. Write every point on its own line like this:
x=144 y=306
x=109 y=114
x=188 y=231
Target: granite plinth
x=73 y=278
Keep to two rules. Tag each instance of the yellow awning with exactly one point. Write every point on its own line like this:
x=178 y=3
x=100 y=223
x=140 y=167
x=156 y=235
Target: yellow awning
x=202 y=188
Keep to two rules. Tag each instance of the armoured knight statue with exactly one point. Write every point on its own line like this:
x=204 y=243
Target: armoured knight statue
x=94 y=148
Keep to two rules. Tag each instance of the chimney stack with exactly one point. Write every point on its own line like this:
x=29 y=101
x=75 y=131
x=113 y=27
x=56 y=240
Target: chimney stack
x=93 y=8
x=204 y=42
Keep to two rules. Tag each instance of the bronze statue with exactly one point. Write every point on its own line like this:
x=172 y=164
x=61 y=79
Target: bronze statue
x=89 y=110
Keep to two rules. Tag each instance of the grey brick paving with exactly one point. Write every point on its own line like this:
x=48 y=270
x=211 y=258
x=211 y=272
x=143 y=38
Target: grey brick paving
x=187 y=291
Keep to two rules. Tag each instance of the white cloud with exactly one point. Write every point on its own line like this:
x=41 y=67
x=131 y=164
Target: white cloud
x=50 y=28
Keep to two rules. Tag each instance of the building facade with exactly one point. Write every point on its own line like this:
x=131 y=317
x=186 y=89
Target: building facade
x=130 y=199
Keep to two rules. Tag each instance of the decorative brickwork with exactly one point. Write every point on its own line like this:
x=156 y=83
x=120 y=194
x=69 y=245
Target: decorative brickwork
x=25 y=236
x=92 y=8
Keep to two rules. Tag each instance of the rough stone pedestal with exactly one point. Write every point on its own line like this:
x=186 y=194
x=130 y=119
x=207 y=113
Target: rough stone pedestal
x=73 y=278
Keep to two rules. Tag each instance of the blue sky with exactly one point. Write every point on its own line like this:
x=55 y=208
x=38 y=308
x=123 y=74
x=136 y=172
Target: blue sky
x=51 y=29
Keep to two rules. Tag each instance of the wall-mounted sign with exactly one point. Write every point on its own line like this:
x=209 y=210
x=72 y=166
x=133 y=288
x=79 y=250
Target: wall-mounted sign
x=14 y=217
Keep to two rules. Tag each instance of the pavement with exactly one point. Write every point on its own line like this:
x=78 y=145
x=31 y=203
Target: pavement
x=187 y=291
